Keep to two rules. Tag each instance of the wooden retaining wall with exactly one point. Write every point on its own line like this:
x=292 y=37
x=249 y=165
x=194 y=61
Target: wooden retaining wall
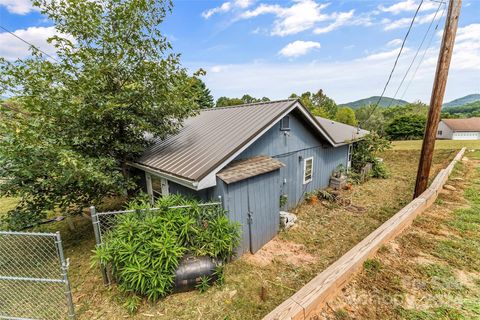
x=311 y=298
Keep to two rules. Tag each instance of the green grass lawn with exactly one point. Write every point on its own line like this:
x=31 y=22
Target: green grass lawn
x=7 y=204
x=439 y=144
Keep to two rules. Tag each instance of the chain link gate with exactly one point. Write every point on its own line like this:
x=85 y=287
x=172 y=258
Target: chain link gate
x=104 y=221
x=33 y=277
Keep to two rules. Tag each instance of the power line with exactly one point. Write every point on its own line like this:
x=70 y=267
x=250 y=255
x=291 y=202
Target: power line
x=395 y=64
x=25 y=41
x=415 y=57
x=424 y=54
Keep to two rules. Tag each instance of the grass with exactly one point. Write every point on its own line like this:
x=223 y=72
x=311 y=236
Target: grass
x=432 y=270
x=7 y=204
x=439 y=144
x=251 y=291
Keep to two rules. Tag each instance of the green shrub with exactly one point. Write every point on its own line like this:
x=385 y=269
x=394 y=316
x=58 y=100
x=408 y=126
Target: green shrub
x=145 y=247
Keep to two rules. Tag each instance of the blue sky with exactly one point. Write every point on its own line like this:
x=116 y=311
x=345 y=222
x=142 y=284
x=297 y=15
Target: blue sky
x=273 y=48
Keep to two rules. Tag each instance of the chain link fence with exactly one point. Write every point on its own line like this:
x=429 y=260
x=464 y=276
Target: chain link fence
x=33 y=277
x=105 y=221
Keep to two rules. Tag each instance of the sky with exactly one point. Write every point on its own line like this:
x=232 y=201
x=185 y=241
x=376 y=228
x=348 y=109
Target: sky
x=274 y=48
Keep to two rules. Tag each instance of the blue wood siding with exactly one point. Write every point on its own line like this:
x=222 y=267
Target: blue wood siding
x=291 y=148
x=260 y=196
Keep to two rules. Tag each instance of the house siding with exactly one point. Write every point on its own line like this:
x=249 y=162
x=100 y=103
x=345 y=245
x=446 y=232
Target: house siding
x=292 y=147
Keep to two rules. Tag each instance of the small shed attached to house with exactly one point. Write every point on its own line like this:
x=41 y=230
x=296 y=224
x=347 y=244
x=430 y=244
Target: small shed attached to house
x=249 y=156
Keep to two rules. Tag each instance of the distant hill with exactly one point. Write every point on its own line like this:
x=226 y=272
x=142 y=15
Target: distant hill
x=467 y=110
x=385 y=102
x=462 y=101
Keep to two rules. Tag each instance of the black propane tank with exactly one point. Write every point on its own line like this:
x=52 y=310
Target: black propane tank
x=191 y=269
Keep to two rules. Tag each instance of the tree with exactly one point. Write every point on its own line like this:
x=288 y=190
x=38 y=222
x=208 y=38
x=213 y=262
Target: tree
x=346 y=115
x=371 y=118
x=318 y=103
x=79 y=119
x=246 y=98
x=203 y=96
x=406 y=127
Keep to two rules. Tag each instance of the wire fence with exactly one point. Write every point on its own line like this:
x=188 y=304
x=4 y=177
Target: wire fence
x=105 y=221
x=33 y=277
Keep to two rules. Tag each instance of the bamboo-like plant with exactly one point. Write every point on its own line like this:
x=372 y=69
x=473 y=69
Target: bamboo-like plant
x=144 y=248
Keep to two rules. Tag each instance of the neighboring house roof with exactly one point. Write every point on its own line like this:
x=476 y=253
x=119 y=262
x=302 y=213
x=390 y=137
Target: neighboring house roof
x=341 y=132
x=468 y=125
x=210 y=140
x=247 y=168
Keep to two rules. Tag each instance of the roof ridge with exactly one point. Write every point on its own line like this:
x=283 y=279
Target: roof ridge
x=249 y=104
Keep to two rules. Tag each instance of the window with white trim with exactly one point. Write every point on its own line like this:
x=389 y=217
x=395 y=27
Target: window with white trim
x=307 y=170
x=285 y=123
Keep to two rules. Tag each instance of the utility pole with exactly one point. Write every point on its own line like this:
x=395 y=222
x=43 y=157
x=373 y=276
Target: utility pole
x=436 y=100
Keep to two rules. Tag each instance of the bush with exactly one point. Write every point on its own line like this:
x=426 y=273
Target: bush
x=367 y=151
x=145 y=247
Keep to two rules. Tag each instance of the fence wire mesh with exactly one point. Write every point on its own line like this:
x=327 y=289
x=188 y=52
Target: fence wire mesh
x=33 y=277
x=105 y=221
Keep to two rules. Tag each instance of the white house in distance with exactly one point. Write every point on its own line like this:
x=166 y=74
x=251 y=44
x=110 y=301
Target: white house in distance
x=459 y=129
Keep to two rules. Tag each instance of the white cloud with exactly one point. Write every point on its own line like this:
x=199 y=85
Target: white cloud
x=298 y=48
x=226 y=7
x=17 y=6
x=302 y=15
x=385 y=55
x=340 y=19
x=408 y=5
x=405 y=22
x=466 y=51
x=12 y=48
x=395 y=43
x=244 y=3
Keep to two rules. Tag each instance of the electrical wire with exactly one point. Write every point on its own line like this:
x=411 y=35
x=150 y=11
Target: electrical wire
x=415 y=56
x=424 y=54
x=394 y=65
x=25 y=41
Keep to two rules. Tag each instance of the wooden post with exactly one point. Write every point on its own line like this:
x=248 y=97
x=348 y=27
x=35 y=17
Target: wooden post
x=436 y=100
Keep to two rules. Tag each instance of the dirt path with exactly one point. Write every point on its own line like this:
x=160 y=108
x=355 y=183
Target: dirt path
x=432 y=271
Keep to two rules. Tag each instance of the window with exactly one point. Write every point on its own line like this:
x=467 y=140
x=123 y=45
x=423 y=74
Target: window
x=439 y=132
x=285 y=123
x=307 y=170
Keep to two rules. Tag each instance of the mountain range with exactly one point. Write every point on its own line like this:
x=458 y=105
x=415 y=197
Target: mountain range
x=387 y=102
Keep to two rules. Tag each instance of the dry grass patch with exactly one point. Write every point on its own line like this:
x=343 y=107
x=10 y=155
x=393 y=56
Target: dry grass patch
x=432 y=270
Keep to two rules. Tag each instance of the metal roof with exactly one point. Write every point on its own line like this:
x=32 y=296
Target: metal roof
x=247 y=168
x=209 y=138
x=467 y=125
x=341 y=133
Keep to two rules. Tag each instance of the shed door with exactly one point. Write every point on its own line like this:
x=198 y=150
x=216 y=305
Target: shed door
x=255 y=204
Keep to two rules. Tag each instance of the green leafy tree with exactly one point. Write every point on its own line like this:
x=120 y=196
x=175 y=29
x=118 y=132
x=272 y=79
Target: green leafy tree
x=368 y=150
x=318 y=103
x=246 y=98
x=79 y=119
x=203 y=96
x=371 y=119
x=346 y=115
x=406 y=127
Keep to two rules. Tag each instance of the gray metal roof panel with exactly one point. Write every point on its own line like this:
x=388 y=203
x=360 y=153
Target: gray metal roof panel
x=210 y=137
x=341 y=133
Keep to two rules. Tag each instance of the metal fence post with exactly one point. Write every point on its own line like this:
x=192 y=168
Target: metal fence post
x=98 y=241
x=64 y=265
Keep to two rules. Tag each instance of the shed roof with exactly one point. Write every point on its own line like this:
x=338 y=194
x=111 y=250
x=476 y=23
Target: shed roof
x=341 y=132
x=247 y=168
x=468 y=125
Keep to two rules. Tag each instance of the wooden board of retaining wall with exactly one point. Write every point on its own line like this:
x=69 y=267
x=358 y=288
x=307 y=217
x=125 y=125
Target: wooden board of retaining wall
x=310 y=299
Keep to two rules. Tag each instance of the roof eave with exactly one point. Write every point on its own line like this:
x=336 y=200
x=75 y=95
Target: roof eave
x=181 y=181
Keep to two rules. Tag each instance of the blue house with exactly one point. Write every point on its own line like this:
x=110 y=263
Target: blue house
x=249 y=156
